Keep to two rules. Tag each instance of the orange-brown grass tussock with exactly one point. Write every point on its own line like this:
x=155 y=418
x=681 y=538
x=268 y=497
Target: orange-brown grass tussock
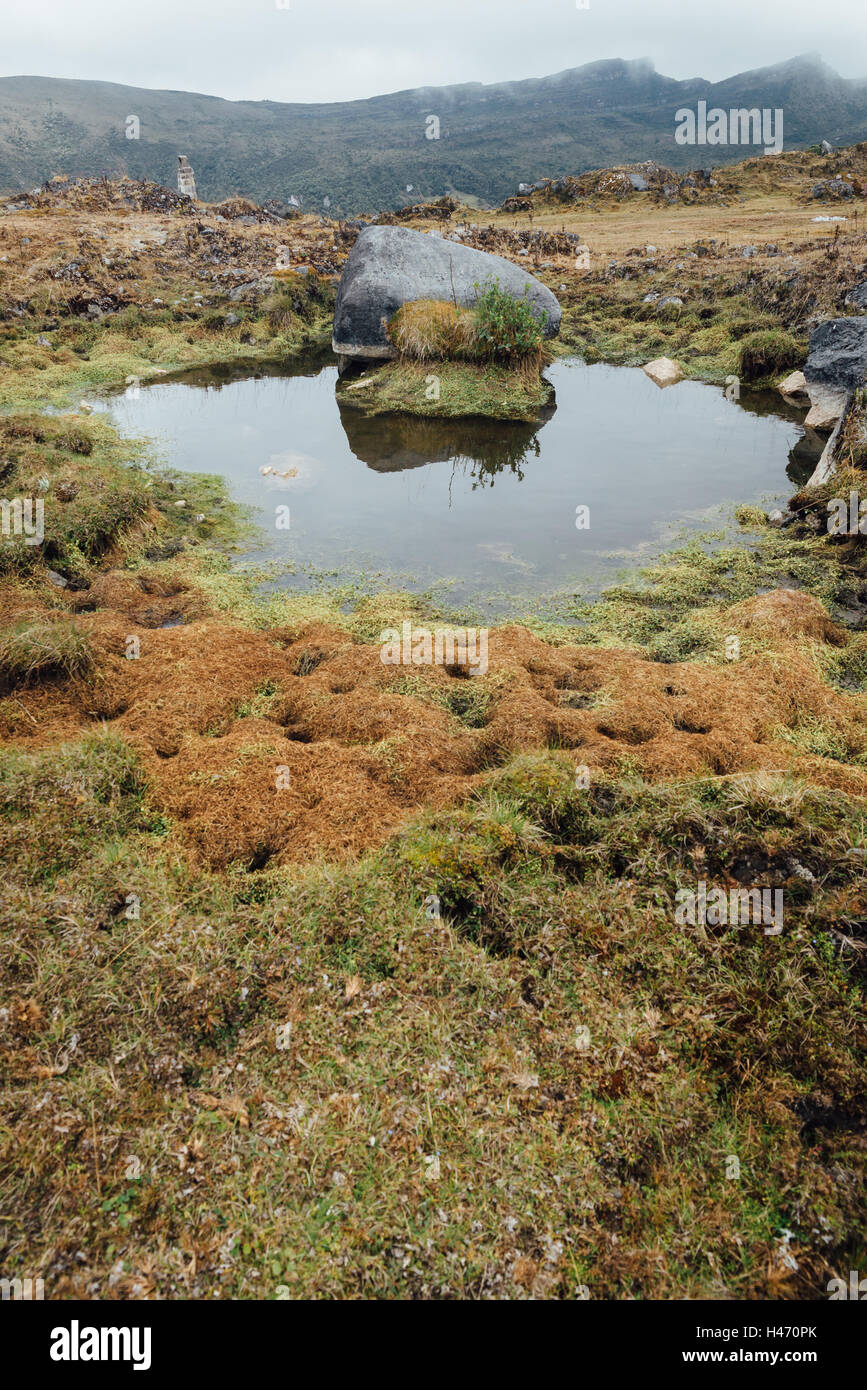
x=278 y=746
x=433 y=328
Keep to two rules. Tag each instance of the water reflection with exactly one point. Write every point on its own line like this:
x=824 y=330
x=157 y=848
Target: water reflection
x=392 y=443
x=487 y=508
x=807 y=449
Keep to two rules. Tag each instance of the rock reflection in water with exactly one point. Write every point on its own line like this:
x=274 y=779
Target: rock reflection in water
x=805 y=453
x=393 y=443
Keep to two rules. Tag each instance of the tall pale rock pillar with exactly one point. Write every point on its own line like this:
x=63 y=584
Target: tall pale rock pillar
x=186 y=177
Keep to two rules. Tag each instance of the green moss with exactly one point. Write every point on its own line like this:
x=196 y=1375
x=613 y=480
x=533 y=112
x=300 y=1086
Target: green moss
x=763 y=355
x=468 y=700
x=813 y=735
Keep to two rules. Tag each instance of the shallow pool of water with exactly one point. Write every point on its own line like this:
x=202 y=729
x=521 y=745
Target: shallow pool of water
x=484 y=511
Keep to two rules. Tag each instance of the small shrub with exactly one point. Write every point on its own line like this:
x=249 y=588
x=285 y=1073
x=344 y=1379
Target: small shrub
x=77 y=441
x=506 y=327
x=498 y=328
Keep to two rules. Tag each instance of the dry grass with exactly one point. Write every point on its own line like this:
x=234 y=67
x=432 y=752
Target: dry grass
x=433 y=328
x=33 y=651
x=344 y=749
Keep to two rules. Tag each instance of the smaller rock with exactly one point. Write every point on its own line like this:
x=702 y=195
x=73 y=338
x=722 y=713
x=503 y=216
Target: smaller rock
x=57 y=579
x=231 y=320
x=42 y=341
x=794 y=386
x=663 y=371
x=748 y=251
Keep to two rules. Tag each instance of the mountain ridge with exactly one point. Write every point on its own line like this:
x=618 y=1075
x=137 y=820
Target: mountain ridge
x=374 y=153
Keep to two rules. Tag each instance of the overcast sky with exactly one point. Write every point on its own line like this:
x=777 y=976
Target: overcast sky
x=332 y=50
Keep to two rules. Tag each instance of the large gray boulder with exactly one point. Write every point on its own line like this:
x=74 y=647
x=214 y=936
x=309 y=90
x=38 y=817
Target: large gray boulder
x=390 y=266
x=835 y=367
x=838 y=354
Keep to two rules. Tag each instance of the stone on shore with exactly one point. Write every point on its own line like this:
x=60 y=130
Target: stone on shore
x=663 y=371
x=794 y=388
x=826 y=406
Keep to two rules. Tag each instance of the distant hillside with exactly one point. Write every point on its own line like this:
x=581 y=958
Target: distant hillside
x=362 y=155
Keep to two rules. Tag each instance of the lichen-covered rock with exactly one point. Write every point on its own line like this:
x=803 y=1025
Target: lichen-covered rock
x=858 y=296
x=391 y=266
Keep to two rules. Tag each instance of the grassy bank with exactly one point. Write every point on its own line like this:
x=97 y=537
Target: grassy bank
x=54 y=368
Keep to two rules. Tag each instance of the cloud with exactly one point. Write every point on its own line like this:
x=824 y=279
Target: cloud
x=337 y=50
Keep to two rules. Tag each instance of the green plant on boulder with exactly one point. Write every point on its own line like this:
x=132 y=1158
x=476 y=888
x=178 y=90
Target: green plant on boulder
x=507 y=329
